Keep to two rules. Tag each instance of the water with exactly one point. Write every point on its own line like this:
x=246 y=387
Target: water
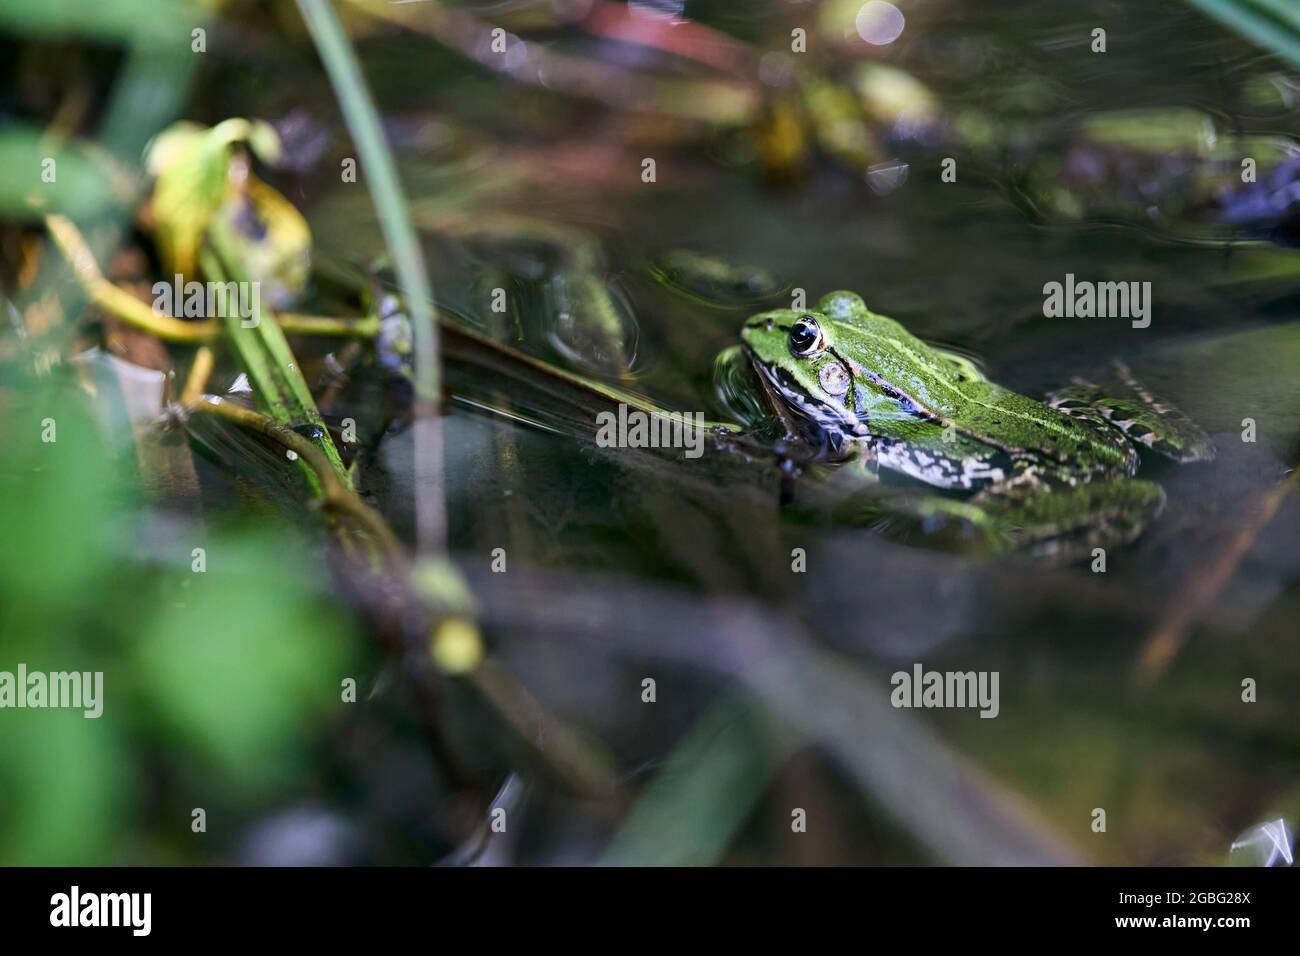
x=701 y=552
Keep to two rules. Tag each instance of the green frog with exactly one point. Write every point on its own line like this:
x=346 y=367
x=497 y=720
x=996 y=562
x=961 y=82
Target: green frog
x=1056 y=476
x=840 y=382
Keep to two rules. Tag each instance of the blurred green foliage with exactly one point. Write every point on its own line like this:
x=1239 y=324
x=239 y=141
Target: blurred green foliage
x=691 y=811
x=48 y=176
x=214 y=683
x=141 y=22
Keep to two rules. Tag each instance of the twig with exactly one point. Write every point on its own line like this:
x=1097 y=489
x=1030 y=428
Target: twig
x=569 y=755
x=119 y=302
x=197 y=380
x=1163 y=644
x=335 y=495
x=683 y=38
x=122 y=305
x=295 y=323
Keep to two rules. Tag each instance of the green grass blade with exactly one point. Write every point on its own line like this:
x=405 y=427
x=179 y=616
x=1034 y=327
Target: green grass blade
x=277 y=381
x=1274 y=24
x=380 y=172
x=705 y=791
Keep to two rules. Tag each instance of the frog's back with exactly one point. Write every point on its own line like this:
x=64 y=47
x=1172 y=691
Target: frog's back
x=1018 y=424
x=900 y=364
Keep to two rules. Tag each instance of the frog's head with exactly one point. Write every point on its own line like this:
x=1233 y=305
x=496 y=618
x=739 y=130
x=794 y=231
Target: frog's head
x=803 y=356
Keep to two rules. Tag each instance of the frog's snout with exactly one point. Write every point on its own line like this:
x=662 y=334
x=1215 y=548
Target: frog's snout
x=747 y=343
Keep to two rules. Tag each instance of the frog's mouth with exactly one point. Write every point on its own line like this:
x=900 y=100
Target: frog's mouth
x=800 y=415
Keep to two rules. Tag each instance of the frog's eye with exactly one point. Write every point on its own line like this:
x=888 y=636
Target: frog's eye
x=806 y=337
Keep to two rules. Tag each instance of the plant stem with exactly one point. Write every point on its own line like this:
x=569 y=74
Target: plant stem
x=335 y=495
x=122 y=305
x=1163 y=644
x=119 y=302
x=362 y=119
x=271 y=366
x=1270 y=23
x=295 y=323
x=200 y=371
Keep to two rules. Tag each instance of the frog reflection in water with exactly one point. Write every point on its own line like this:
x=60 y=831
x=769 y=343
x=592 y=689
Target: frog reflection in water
x=1054 y=476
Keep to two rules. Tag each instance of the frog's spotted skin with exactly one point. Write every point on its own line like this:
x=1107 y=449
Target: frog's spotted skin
x=957 y=462
x=1127 y=405
x=1060 y=472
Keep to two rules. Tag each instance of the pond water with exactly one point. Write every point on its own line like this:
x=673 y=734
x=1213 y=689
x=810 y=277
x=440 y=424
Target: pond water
x=771 y=684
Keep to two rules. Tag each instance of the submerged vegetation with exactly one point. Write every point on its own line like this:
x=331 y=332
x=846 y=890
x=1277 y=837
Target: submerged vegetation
x=429 y=422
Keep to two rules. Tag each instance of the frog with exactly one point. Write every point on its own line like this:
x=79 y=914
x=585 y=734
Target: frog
x=1056 y=476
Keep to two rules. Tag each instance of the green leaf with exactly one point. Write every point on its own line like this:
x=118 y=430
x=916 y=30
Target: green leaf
x=1274 y=24
x=152 y=22
x=54 y=493
x=243 y=661
x=46 y=174
x=202 y=217
x=192 y=166
x=62 y=786
x=277 y=381
x=271 y=239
